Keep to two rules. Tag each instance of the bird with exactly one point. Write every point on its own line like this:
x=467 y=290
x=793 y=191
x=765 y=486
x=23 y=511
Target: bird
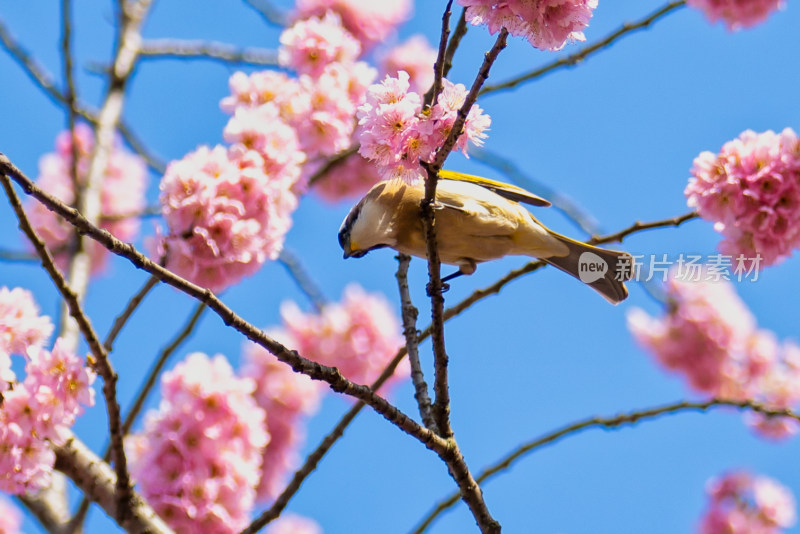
x=477 y=220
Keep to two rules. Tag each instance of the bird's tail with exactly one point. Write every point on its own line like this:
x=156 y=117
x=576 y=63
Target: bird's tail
x=603 y=270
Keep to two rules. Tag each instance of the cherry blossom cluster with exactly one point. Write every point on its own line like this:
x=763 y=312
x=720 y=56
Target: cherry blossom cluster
x=228 y=209
x=37 y=411
x=370 y=22
x=743 y=503
x=21 y=325
x=323 y=47
x=751 y=192
x=359 y=335
x=10 y=518
x=547 y=24
x=287 y=398
x=396 y=133
x=121 y=196
x=737 y=14
x=710 y=337
x=198 y=459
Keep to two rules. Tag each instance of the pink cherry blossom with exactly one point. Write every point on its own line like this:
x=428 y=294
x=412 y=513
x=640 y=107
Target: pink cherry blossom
x=710 y=338
x=359 y=335
x=742 y=503
x=197 y=460
x=263 y=87
x=37 y=413
x=737 y=14
x=121 y=196
x=21 y=326
x=228 y=210
x=287 y=398
x=396 y=134
x=704 y=336
x=293 y=524
x=311 y=44
x=750 y=191
x=10 y=518
x=369 y=21
x=547 y=24
x=416 y=57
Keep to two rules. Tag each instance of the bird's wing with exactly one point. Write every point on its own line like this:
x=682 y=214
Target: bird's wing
x=508 y=191
x=475 y=210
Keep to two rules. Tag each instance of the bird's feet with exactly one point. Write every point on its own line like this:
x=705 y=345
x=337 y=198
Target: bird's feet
x=429 y=288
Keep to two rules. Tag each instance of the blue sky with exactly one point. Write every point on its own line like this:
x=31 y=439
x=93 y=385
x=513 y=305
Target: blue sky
x=617 y=134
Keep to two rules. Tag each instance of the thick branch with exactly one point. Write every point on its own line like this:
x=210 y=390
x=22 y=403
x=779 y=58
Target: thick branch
x=577 y=57
x=98 y=482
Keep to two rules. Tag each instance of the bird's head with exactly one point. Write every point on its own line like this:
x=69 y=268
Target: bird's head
x=365 y=227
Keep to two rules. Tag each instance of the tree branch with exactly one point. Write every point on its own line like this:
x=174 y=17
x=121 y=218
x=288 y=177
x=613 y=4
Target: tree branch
x=98 y=482
x=269 y=13
x=409 y=314
x=100 y=363
x=574 y=59
x=302 y=279
x=209 y=50
x=44 y=81
x=609 y=423
x=314 y=370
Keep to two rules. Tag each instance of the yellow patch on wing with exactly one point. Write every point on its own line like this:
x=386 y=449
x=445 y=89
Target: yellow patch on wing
x=511 y=192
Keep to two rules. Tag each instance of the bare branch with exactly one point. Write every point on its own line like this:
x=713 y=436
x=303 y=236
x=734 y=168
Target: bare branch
x=333 y=161
x=608 y=423
x=269 y=13
x=44 y=80
x=98 y=482
x=302 y=279
x=577 y=57
x=409 y=314
x=210 y=50
x=314 y=458
x=126 y=314
x=100 y=362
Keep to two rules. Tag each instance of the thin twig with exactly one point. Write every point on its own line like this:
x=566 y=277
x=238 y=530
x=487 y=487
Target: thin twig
x=432 y=95
x=123 y=317
x=15 y=256
x=142 y=394
x=69 y=93
x=455 y=40
x=149 y=211
x=268 y=12
x=409 y=314
x=609 y=423
x=210 y=50
x=100 y=363
x=44 y=81
x=333 y=162
x=313 y=459
x=314 y=370
x=577 y=57
x=302 y=279
x=640 y=226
